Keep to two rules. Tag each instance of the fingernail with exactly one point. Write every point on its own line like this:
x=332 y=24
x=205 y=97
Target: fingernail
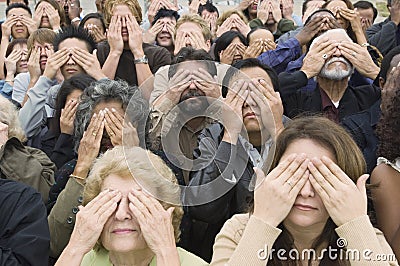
x=94 y=115
x=112 y=109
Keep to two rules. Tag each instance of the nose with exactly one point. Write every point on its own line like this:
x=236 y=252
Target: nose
x=123 y=22
x=43 y=52
x=123 y=212
x=164 y=28
x=70 y=61
x=307 y=191
x=337 y=52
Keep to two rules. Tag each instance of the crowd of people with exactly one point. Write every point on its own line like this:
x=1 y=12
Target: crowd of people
x=191 y=136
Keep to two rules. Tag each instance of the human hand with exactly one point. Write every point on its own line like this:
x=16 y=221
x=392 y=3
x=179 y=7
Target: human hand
x=54 y=18
x=73 y=10
x=281 y=186
x=269 y=107
x=155 y=5
x=225 y=26
x=197 y=41
x=68 y=116
x=180 y=41
x=3 y=133
x=312 y=7
x=254 y=50
x=135 y=36
x=11 y=61
x=194 y=6
x=344 y=200
x=55 y=61
x=244 y=4
x=316 y=57
x=311 y=29
x=275 y=8
x=365 y=23
x=88 y=62
x=263 y=11
x=226 y=56
x=90 y=220
x=394 y=10
x=353 y=17
x=287 y=9
x=96 y=32
x=37 y=16
x=7 y=26
x=232 y=117
x=269 y=45
x=206 y=83
x=151 y=34
x=241 y=26
x=34 y=63
x=155 y=222
x=30 y=24
x=114 y=35
x=114 y=126
x=176 y=85
x=360 y=58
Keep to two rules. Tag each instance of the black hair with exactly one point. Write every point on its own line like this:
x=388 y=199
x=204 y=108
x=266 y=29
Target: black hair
x=318 y=11
x=248 y=63
x=165 y=13
x=26 y=2
x=209 y=7
x=77 y=82
x=191 y=54
x=18 y=5
x=225 y=40
x=75 y=32
x=385 y=66
x=366 y=5
x=93 y=15
x=254 y=30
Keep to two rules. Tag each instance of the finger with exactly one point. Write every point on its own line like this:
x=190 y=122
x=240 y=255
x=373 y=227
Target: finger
x=318 y=188
x=115 y=122
x=291 y=168
x=299 y=184
x=321 y=178
x=336 y=171
x=109 y=130
x=282 y=166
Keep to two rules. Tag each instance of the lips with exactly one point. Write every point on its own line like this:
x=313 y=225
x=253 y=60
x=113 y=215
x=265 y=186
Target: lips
x=123 y=231
x=250 y=115
x=304 y=207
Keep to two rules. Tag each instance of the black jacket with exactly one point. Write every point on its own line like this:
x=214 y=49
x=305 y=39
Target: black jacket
x=24 y=232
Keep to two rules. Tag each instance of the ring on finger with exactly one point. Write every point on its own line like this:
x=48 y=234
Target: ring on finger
x=289 y=183
x=354 y=54
x=324 y=56
x=94 y=134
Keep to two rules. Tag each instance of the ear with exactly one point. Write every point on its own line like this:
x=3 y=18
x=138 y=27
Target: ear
x=381 y=82
x=208 y=44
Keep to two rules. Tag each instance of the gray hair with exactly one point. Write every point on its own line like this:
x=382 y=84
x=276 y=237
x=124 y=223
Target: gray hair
x=107 y=90
x=9 y=116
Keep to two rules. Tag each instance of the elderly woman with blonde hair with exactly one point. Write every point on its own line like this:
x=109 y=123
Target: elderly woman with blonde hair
x=18 y=162
x=131 y=214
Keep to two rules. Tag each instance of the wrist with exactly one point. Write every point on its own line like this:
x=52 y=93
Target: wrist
x=230 y=136
x=168 y=255
x=115 y=54
x=81 y=169
x=137 y=53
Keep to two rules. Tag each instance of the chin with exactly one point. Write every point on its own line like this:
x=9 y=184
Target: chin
x=304 y=219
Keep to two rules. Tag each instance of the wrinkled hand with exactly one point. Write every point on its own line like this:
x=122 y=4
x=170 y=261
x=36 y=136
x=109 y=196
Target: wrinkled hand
x=311 y=29
x=3 y=133
x=353 y=17
x=360 y=58
x=226 y=56
x=68 y=116
x=176 y=85
x=254 y=50
x=114 y=125
x=88 y=62
x=281 y=186
x=90 y=220
x=205 y=82
x=155 y=222
x=241 y=26
x=344 y=200
x=114 y=36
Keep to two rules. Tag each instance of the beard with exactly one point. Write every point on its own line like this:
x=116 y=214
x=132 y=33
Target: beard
x=193 y=102
x=337 y=73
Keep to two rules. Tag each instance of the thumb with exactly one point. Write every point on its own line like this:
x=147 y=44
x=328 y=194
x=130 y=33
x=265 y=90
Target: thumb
x=361 y=183
x=95 y=52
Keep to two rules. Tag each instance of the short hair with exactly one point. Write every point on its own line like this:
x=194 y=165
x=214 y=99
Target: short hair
x=57 y=7
x=225 y=15
x=195 y=18
x=225 y=40
x=191 y=54
x=165 y=13
x=107 y=90
x=94 y=15
x=75 y=32
x=26 y=2
x=208 y=6
x=10 y=48
x=366 y=5
x=147 y=169
x=133 y=6
x=248 y=63
x=18 y=5
x=41 y=36
x=316 y=12
x=77 y=82
x=9 y=116
x=385 y=66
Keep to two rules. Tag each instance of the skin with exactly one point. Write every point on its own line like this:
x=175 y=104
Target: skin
x=43 y=55
x=366 y=14
x=71 y=68
x=261 y=34
x=333 y=6
x=164 y=38
x=19 y=30
x=95 y=21
x=22 y=63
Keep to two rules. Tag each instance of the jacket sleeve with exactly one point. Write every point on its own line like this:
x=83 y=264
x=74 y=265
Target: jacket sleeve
x=215 y=181
x=289 y=83
x=26 y=242
x=62 y=217
x=63 y=150
x=33 y=114
x=382 y=36
x=21 y=83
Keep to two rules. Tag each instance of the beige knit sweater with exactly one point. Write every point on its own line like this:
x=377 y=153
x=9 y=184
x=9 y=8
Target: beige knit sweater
x=242 y=238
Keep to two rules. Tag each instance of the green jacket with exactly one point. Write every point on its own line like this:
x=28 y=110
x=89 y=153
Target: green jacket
x=284 y=25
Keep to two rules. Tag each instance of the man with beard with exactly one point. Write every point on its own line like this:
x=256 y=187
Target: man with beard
x=162 y=30
x=332 y=59
x=177 y=116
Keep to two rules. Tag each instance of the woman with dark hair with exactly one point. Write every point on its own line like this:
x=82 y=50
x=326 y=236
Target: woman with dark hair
x=386 y=175
x=94 y=23
x=230 y=47
x=259 y=40
x=311 y=208
x=57 y=143
x=49 y=14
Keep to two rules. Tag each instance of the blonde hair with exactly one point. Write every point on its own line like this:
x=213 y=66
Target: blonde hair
x=195 y=18
x=145 y=168
x=41 y=36
x=9 y=116
x=224 y=16
x=133 y=6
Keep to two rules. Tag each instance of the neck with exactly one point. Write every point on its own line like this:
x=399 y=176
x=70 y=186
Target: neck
x=137 y=258
x=126 y=46
x=255 y=138
x=333 y=88
x=304 y=237
x=272 y=27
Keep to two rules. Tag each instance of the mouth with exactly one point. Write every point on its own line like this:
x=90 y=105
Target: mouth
x=71 y=70
x=250 y=115
x=304 y=207
x=19 y=30
x=23 y=65
x=164 y=37
x=123 y=231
